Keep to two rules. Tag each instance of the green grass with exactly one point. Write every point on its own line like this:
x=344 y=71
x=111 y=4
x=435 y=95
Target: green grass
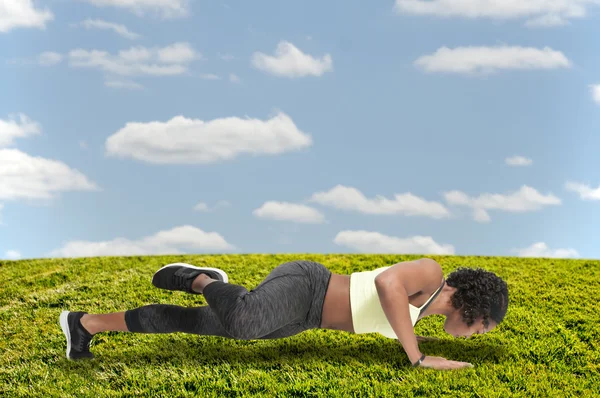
x=548 y=344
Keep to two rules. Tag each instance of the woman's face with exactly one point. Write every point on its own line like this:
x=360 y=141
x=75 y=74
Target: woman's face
x=455 y=326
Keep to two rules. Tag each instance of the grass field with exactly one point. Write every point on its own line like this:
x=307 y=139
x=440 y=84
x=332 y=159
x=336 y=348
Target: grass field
x=548 y=344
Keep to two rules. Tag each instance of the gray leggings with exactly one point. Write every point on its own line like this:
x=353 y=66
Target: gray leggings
x=287 y=302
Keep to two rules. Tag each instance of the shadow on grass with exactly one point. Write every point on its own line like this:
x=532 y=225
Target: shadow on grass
x=288 y=351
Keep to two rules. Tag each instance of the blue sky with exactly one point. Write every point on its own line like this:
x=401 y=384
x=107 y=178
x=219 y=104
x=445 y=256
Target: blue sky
x=439 y=127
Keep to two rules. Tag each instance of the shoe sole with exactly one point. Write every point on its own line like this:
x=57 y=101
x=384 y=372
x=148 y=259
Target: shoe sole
x=217 y=270
x=64 y=325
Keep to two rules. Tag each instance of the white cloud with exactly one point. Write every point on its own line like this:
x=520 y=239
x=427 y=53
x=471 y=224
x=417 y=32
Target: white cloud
x=22 y=14
x=209 y=76
x=487 y=60
x=162 y=8
x=480 y=215
x=182 y=140
x=284 y=211
x=233 y=78
x=28 y=177
x=289 y=61
x=518 y=161
x=49 y=58
x=172 y=241
x=137 y=61
x=375 y=242
x=349 y=198
x=124 y=84
x=595 y=90
x=523 y=200
x=201 y=206
x=540 y=249
x=546 y=21
x=538 y=12
x=12 y=128
x=138 y=54
x=585 y=191
x=13 y=255
x=121 y=30
x=177 y=53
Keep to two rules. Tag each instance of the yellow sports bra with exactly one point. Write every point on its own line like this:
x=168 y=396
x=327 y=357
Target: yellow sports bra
x=367 y=313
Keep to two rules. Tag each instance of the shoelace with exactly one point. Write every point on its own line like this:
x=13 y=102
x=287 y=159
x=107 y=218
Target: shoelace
x=84 y=341
x=179 y=279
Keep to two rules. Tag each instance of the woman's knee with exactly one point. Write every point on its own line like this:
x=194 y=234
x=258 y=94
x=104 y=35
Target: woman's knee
x=240 y=330
x=244 y=321
x=238 y=334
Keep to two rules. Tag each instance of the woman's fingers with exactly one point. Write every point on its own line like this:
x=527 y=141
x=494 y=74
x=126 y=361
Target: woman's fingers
x=441 y=363
x=460 y=365
x=457 y=365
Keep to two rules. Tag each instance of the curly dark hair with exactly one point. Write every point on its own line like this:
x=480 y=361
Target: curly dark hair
x=479 y=293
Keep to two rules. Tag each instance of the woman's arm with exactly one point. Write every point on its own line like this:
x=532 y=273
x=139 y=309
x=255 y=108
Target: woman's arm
x=394 y=286
x=394 y=301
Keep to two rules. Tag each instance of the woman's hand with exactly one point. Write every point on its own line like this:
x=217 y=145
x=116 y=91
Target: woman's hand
x=424 y=338
x=440 y=363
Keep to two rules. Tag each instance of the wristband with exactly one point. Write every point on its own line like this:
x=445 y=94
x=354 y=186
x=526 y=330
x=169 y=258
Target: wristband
x=419 y=361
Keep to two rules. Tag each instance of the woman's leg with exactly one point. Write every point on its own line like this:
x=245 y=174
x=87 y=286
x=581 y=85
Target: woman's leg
x=279 y=305
x=96 y=323
x=276 y=308
x=157 y=318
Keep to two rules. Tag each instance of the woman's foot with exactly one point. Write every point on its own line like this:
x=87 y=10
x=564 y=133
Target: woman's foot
x=187 y=278
x=78 y=339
